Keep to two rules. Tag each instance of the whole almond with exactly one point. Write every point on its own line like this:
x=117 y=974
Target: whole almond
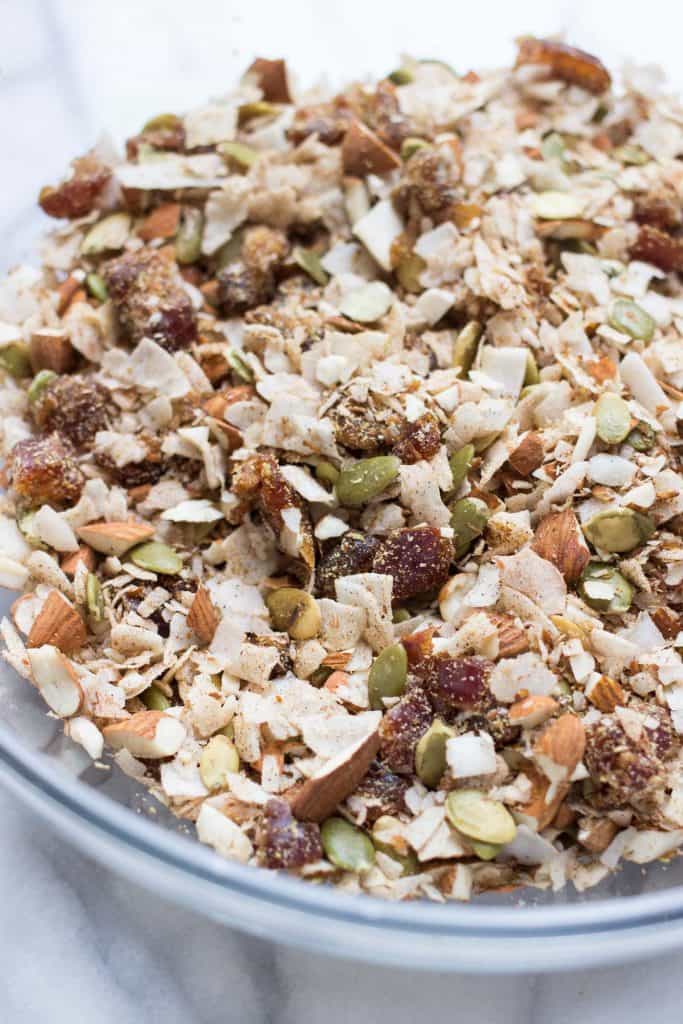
x=203 y=617
x=560 y=747
x=606 y=694
x=58 y=624
x=319 y=795
x=559 y=539
x=528 y=455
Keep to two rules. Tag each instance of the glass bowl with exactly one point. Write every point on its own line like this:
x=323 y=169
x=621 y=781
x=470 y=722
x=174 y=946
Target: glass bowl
x=635 y=913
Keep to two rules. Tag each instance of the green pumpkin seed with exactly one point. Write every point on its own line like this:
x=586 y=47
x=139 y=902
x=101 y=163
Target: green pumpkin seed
x=412 y=145
x=383 y=827
x=557 y=205
x=229 y=729
x=15 y=360
x=309 y=261
x=96 y=286
x=320 y=676
x=162 y=122
x=219 y=759
x=366 y=479
x=430 y=753
x=26 y=523
x=326 y=473
x=401 y=76
x=461 y=463
x=188 y=239
x=612 y=417
x=486 y=851
x=631 y=319
x=469 y=517
x=346 y=846
x=39 y=383
x=239 y=366
x=465 y=347
x=552 y=147
x=479 y=817
x=400 y=615
x=230 y=251
x=259 y=108
x=629 y=154
x=94 y=598
x=642 y=437
x=388 y=675
x=156 y=557
x=368 y=303
x=408 y=271
x=604 y=588
x=237 y=153
x=531 y=374
x=618 y=530
x=155 y=699
x=440 y=64
x=295 y=612
x=108 y=235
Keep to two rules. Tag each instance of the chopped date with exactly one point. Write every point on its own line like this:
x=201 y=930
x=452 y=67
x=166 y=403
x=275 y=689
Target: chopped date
x=657 y=247
x=241 y=288
x=565 y=62
x=353 y=554
x=150 y=299
x=420 y=440
x=264 y=248
x=366 y=427
x=382 y=791
x=77 y=195
x=418 y=558
x=456 y=684
x=329 y=121
x=661 y=208
x=76 y=406
x=285 y=842
x=45 y=472
x=135 y=474
x=402 y=727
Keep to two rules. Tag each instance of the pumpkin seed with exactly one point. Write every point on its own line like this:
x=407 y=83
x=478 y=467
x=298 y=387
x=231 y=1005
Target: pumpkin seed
x=188 y=239
x=237 y=153
x=320 y=676
x=469 y=517
x=27 y=527
x=531 y=374
x=408 y=271
x=461 y=463
x=388 y=675
x=642 y=437
x=557 y=206
x=39 y=383
x=618 y=530
x=162 y=122
x=346 y=846
x=295 y=612
x=107 y=235
x=430 y=753
x=366 y=479
x=94 y=598
x=465 y=347
x=156 y=557
x=229 y=729
x=383 y=827
x=630 y=318
x=604 y=588
x=326 y=473
x=412 y=145
x=368 y=303
x=479 y=817
x=230 y=251
x=219 y=759
x=552 y=147
x=401 y=76
x=239 y=366
x=629 y=154
x=486 y=851
x=400 y=615
x=309 y=261
x=96 y=286
x=259 y=108
x=612 y=417
x=155 y=699
x=15 y=360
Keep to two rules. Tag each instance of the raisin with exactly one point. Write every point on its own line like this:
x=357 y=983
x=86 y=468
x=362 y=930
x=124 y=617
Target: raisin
x=365 y=427
x=655 y=246
x=402 y=727
x=382 y=791
x=78 y=194
x=456 y=684
x=241 y=288
x=285 y=842
x=150 y=299
x=661 y=207
x=76 y=406
x=565 y=62
x=135 y=474
x=417 y=557
x=420 y=440
x=44 y=471
x=353 y=554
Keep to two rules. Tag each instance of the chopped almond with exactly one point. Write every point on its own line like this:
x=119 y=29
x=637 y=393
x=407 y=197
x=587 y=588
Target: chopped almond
x=147 y=734
x=203 y=617
x=71 y=561
x=56 y=679
x=364 y=153
x=272 y=78
x=59 y=624
x=560 y=747
x=532 y=711
x=52 y=350
x=115 y=538
x=161 y=223
x=319 y=796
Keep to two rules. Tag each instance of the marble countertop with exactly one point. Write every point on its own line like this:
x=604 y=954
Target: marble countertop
x=76 y=942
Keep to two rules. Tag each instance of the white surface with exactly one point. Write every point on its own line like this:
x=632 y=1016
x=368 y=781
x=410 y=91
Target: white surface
x=77 y=944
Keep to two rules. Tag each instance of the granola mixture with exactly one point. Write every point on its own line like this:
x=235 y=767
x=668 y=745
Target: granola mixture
x=343 y=443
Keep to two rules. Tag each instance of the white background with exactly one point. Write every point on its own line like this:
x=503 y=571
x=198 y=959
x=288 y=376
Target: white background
x=77 y=944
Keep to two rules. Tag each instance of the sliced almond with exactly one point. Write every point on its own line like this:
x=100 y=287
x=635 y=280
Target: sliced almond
x=272 y=78
x=147 y=734
x=51 y=350
x=532 y=711
x=319 y=795
x=605 y=694
x=59 y=624
x=115 y=538
x=538 y=807
x=512 y=639
x=595 y=834
x=560 y=747
x=57 y=681
x=559 y=539
x=70 y=562
x=160 y=223
x=364 y=153
x=528 y=455
x=203 y=617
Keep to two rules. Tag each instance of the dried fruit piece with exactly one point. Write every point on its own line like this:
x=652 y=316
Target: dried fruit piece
x=565 y=62
x=364 y=153
x=618 y=530
x=603 y=587
x=365 y=479
x=150 y=299
x=295 y=612
x=353 y=554
x=44 y=472
x=75 y=405
x=285 y=842
x=330 y=786
x=146 y=734
x=156 y=557
x=420 y=439
x=77 y=196
x=430 y=753
x=388 y=675
x=625 y=769
x=219 y=759
x=479 y=817
x=203 y=617
x=114 y=538
x=58 y=624
x=661 y=207
x=663 y=250
x=630 y=318
x=456 y=684
x=559 y=540
x=469 y=517
x=401 y=728
x=382 y=792
x=418 y=558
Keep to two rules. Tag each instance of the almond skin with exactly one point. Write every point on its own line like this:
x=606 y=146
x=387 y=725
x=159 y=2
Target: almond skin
x=146 y=734
x=160 y=223
x=203 y=617
x=532 y=711
x=606 y=694
x=528 y=455
x=51 y=350
x=559 y=539
x=364 y=153
x=561 y=745
x=536 y=807
x=70 y=562
x=58 y=624
x=512 y=639
x=115 y=538
x=318 y=797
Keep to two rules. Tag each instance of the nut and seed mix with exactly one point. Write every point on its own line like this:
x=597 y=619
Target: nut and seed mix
x=343 y=442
